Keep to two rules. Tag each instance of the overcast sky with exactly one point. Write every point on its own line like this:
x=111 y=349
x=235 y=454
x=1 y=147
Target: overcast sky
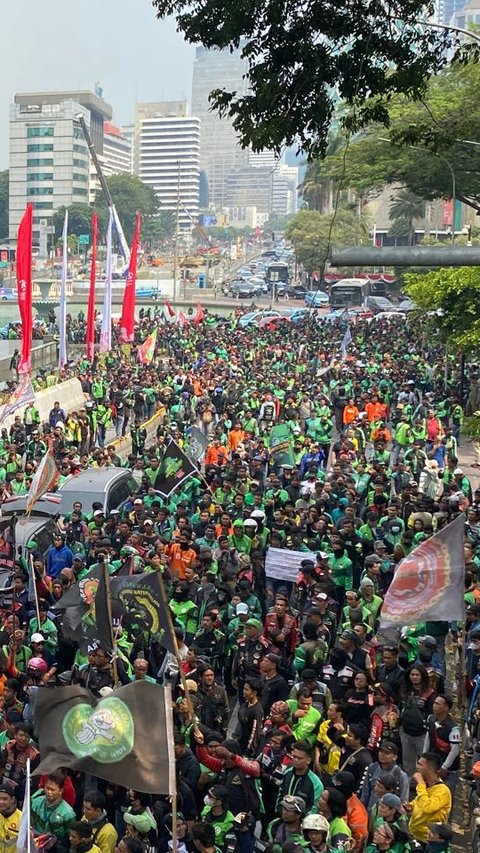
x=61 y=44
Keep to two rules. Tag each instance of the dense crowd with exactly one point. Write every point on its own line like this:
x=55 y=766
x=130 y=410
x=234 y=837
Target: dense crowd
x=304 y=727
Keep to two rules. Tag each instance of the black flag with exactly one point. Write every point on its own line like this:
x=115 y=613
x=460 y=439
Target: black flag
x=125 y=738
x=138 y=600
x=175 y=468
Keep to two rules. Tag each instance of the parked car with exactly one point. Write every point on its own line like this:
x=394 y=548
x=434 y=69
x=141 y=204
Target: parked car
x=7 y=294
x=252 y=316
x=316 y=299
x=108 y=486
x=292 y=291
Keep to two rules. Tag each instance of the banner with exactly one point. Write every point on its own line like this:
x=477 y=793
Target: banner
x=126 y=738
x=91 y=295
x=284 y=565
x=175 y=468
x=168 y=312
x=280 y=446
x=24 y=286
x=106 y=331
x=197 y=443
x=428 y=585
x=62 y=323
x=146 y=351
x=22 y=396
x=44 y=480
x=138 y=600
x=346 y=340
x=199 y=316
x=127 y=322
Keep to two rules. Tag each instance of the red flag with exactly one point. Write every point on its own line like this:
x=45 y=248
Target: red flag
x=91 y=295
x=24 y=286
x=199 y=315
x=182 y=320
x=127 y=322
x=168 y=312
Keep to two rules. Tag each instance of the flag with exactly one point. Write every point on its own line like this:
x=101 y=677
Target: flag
x=125 y=738
x=146 y=351
x=175 y=469
x=76 y=607
x=346 y=340
x=182 y=320
x=199 y=316
x=22 y=395
x=45 y=478
x=23 y=838
x=168 y=312
x=62 y=349
x=127 y=322
x=140 y=601
x=280 y=445
x=91 y=294
x=106 y=331
x=428 y=585
x=24 y=286
x=197 y=443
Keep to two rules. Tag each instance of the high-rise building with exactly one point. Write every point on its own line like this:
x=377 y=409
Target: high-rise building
x=167 y=157
x=284 y=190
x=220 y=151
x=49 y=159
x=117 y=151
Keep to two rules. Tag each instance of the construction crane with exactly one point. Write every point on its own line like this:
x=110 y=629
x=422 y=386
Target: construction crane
x=106 y=190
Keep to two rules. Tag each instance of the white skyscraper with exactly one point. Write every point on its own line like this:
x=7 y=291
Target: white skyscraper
x=167 y=157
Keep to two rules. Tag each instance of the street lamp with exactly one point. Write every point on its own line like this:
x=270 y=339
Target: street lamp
x=443 y=159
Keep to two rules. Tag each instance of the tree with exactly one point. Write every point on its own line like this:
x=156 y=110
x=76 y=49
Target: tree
x=312 y=234
x=405 y=207
x=436 y=127
x=79 y=220
x=156 y=229
x=454 y=294
x=4 y=204
x=302 y=57
x=129 y=194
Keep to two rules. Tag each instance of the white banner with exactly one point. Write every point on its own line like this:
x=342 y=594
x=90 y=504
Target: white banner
x=284 y=565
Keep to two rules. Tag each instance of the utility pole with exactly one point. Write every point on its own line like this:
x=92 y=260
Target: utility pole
x=175 y=251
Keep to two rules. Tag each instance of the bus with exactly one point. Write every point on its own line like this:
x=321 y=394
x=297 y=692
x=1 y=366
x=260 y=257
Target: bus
x=277 y=273
x=349 y=292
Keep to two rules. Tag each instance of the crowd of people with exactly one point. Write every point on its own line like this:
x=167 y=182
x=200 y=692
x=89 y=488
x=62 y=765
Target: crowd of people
x=303 y=726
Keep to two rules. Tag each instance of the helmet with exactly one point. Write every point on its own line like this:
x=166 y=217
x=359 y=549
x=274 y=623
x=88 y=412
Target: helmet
x=315 y=821
x=38 y=666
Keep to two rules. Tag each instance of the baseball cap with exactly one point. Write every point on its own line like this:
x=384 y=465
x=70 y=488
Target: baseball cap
x=137 y=502
x=38 y=638
x=457 y=471
x=191 y=685
x=388 y=746
x=321 y=596
x=393 y=802
x=294 y=804
x=428 y=641
x=98 y=512
x=241 y=608
x=442 y=829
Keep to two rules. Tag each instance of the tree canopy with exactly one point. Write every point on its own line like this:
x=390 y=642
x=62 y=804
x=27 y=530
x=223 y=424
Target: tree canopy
x=454 y=294
x=302 y=57
x=312 y=233
x=448 y=113
x=79 y=220
x=129 y=195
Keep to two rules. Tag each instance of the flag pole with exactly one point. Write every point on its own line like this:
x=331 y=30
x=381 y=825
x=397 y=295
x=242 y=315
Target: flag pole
x=108 y=595
x=35 y=593
x=27 y=803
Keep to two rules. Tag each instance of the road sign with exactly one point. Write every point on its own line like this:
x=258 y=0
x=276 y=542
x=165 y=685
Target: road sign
x=84 y=239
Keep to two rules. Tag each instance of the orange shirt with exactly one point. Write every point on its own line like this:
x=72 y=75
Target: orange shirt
x=375 y=411
x=216 y=455
x=350 y=414
x=180 y=560
x=235 y=437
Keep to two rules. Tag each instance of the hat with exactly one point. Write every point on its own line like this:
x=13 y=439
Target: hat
x=191 y=685
x=442 y=829
x=388 y=746
x=366 y=582
x=280 y=707
x=241 y=608
x=349 y=634
x=238 y=522
x=393 y=802
x=457 y=471
x=322 y=596
x=98 y=512
x=428 y=641
x=254 y=623
x=258 y=514
x=148 y=521
x=250 y=522
x=8 y=786
x=273 y=658
x=137 y=502
x=294 y=804
x=142 y=822
x=323 y=555
x=37 y=638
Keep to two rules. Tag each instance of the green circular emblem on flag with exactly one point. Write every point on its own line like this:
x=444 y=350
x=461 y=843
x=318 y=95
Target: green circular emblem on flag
x=104 y=733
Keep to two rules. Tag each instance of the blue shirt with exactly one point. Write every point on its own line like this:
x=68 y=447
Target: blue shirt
x=58 y=559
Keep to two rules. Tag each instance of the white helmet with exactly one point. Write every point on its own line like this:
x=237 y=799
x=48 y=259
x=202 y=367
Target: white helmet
x=316 y=821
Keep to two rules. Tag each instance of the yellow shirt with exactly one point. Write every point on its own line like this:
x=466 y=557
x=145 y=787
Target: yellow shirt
x=9 y=827
x=431 y=805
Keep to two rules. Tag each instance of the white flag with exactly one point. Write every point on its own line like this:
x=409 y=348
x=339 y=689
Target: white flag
x=62 y=350
x=106 y=332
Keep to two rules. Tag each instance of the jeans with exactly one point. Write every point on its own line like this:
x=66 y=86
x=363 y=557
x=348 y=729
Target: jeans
x=119 y=425
x=101 y=435
x=412 y=748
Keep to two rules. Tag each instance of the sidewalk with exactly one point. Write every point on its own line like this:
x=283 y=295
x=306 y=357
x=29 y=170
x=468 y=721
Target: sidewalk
x=466 y=457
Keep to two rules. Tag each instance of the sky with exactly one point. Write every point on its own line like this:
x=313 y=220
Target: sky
x=63 y=44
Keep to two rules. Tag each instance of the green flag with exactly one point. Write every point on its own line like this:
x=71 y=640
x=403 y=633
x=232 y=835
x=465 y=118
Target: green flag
x=280 y=446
